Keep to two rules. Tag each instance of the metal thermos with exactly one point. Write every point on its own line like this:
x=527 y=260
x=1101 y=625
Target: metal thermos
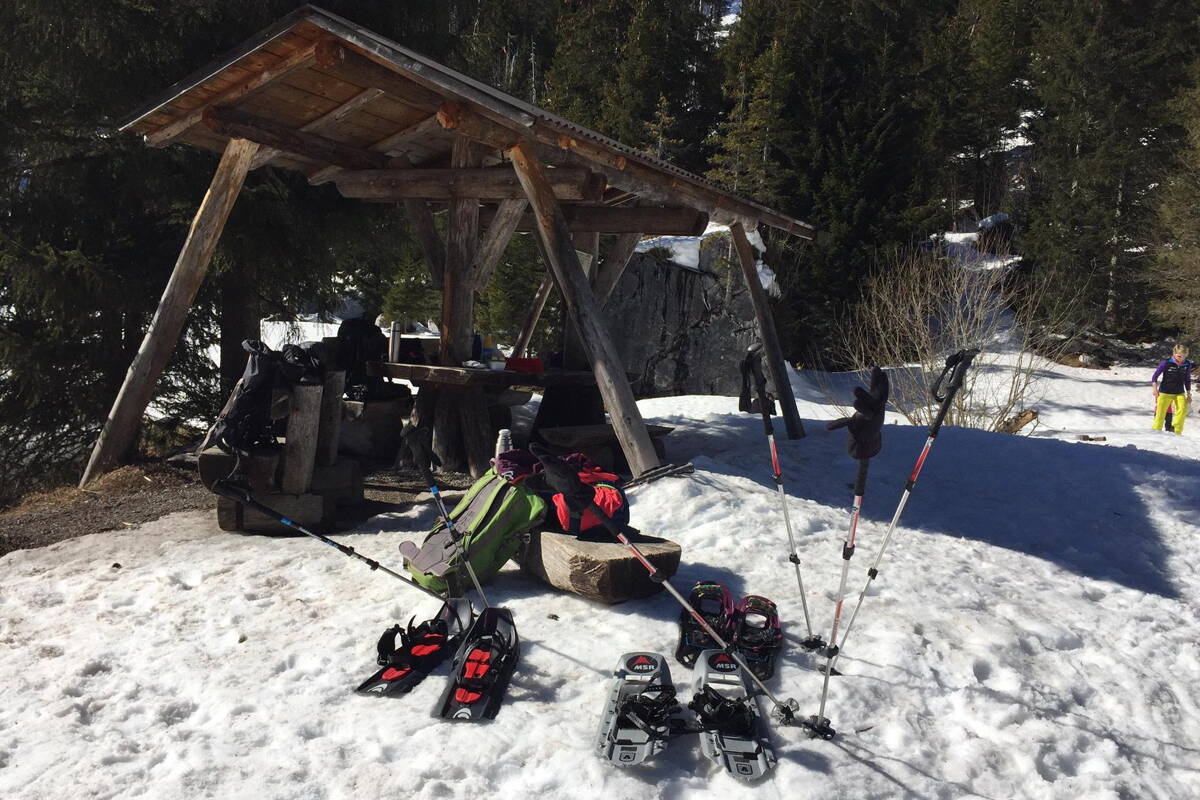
x=504 y=441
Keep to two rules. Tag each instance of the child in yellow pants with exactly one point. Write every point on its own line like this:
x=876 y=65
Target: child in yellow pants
x=1176 y=388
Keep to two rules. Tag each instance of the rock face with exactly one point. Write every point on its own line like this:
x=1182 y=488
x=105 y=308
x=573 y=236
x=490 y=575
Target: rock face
x=682 y=330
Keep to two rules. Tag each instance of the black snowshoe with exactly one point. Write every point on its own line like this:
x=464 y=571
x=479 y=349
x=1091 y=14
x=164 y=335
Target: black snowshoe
x=421 y=649
x=757 y=634
x=639 y=716
x=733 y=732
x=482 y=667
x=715 y=604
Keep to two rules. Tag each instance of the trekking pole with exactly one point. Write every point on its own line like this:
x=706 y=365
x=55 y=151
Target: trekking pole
x=243 y=496
x=753 y=362
x=562 y=478
x=953 y=373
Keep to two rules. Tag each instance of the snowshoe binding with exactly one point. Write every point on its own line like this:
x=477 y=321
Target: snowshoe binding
x=733 y=732
x=639 y=715
x=482 y=667
x=421 y=649
x=757 y=634
x=715 y=604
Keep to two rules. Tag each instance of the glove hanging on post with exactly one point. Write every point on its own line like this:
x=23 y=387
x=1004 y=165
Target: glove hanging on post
x=866 y=426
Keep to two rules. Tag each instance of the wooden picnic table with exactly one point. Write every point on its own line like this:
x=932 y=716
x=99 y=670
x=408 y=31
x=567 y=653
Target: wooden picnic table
x=464 y=377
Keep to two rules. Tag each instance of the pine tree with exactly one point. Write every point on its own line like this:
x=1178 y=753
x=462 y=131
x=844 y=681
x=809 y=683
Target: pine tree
x=1176 y=273
x=1103 y=75
x=754 y=141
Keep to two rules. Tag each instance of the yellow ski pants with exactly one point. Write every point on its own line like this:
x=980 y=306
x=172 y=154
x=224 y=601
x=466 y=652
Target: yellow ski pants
x=1181 y=409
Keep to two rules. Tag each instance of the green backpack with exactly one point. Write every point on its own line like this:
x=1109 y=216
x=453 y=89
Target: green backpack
x=492 y=519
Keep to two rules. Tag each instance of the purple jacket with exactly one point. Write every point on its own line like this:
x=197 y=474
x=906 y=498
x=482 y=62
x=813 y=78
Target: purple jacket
x=1176 y=378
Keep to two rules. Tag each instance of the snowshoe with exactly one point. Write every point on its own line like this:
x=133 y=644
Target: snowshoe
x=482 y=667
x=638 y=717
x=757 y=634
x=422 y=648
x=733 y=732
x=715 y=604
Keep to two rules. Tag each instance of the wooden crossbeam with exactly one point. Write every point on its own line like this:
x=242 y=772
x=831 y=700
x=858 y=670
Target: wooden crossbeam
x=499 y=232
x=322 y=122
x=392 y=145
x=342 y=62
x=484 y=183
x=614 y=265
x=166 y=134
x=644 y=220
x=238 y=124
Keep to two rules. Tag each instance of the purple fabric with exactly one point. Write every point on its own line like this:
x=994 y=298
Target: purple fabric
x=516 y=465
x=1162 y=366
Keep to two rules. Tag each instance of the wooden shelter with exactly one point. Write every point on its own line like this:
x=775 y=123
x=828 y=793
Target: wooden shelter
x=321 y=95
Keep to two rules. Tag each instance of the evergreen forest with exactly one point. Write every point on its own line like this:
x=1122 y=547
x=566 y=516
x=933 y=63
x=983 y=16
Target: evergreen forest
x=881 y=122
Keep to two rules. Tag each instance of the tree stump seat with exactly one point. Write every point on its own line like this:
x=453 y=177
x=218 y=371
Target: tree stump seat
x=596 y=566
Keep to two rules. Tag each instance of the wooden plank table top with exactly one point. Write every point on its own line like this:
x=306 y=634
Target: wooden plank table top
x=464 y=377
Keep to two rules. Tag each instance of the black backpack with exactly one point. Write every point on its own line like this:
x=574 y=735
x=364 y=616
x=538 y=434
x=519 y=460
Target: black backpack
x=245 y=422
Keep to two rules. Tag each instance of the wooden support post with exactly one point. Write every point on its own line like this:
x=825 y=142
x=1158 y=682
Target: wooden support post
x=585 y=311
x=613 y=266
x=331 y=417
x=300 y=447
x=450 y=436
x=535 y=313
x=462 y=238
x=121 y=427
x=776 y=369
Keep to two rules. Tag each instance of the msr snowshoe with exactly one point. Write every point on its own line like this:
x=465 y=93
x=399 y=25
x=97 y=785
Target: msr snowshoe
x=757 y=634
x=482 y=667
x=715 y=604
x=733 y=733
x=421 y=649
x=639 y=715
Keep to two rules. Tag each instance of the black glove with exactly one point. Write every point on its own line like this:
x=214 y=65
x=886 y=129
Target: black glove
x=564 y=479
x=866 y=426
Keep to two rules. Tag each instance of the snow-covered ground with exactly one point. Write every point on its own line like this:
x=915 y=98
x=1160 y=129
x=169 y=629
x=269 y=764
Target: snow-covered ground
x=1032 y=634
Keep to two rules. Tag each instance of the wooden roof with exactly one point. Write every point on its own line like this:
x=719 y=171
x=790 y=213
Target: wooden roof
x=337 y=102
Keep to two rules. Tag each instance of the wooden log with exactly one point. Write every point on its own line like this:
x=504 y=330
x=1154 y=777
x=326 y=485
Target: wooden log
x=462 y=239
x=772 y=351
x=585 y=311
x=599 y=570
x=613 y=266
x=649 y=183
x=478 y=439
x=300 y=447
x=535 y=313
x=166 y=134
x=234 y=123
x=261 y=468
x=121 y=427
x=642 y=220
x=342 y=62
x=499 y=233
x=330 y=428
x=311 y=510
x=322 y=122
x=484 y=183
x=393 y=146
